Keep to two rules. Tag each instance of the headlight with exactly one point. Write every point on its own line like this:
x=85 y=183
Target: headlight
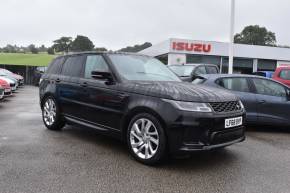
x=190 y=106
x=241 y=105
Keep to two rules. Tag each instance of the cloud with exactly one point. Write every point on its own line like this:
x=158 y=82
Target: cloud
x=119 y=23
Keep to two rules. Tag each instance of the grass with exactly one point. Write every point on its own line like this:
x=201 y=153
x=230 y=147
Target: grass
x=40 y=59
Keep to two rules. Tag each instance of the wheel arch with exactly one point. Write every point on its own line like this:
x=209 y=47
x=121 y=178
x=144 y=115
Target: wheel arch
x=138 y=110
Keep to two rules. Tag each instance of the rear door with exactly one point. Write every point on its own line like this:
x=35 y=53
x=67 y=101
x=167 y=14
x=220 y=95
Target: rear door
x=241 y=87
x=69 y=86
x=273 y=106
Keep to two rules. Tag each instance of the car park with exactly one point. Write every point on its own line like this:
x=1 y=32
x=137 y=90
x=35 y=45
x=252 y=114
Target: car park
x=19 y=78
x=266 y=101
x=267 y=74
x=139 y=100
x=282 y=74
x=188 y=72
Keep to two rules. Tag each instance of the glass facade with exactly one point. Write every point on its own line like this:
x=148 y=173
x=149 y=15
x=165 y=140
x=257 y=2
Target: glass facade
x=241 y=65
x=266 y=65
x=202 y=59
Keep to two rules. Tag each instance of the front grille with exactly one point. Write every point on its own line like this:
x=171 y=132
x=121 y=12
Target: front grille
x=224 y=107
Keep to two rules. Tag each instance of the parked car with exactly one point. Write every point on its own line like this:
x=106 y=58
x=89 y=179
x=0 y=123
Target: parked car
x=38 y=73
x=6 y=86
x=266 y=101
x=12 y=82
x=138 y=99
x=282 y=74
x=19 y=78
x=188 y=72
x=267 y=74
x=1 y=93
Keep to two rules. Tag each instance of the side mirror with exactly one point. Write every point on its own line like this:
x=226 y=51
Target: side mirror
x=288 y=94
x=100 y=75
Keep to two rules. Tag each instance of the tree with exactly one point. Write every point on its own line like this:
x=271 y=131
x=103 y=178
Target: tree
x=62 y=44
x=33 y=49
x=50 y=51
x=136 y=48
x=256 y=35
x=82 y=43
x=101 y=49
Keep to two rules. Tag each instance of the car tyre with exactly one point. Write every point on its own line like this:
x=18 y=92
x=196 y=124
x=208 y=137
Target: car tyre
x=146 y=139
x=51 y=115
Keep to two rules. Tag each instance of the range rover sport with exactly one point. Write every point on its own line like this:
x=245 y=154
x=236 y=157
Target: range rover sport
x=139 y=100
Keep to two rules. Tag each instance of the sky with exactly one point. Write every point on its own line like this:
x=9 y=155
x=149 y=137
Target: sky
x=115 y=24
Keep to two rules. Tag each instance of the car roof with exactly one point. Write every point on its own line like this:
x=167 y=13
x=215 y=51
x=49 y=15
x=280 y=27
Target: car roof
x=191 y=64
x=101 y=52
x=216 y=76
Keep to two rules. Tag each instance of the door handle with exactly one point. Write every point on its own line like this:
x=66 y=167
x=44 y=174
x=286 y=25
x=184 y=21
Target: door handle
x=262 y=102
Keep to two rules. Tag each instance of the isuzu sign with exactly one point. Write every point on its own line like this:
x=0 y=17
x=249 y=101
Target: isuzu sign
x=195 y=47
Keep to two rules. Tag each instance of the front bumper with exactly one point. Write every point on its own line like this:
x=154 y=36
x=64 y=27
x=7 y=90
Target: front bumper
x=203 y=131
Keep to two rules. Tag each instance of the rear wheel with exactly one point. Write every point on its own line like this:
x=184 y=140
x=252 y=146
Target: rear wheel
x=51 y=114
x=146 y=139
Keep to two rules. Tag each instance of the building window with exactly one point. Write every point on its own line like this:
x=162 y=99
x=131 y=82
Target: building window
x=266 y=65
x=202 y=59
x=240 y=65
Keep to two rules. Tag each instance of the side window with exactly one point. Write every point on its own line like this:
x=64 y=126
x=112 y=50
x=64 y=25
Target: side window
x=235 y=84
x=55 y=66
x=285 y=74
x=268 y=87
x=211 y=70
x=73 y=66
x=200 y=70
x=95 y=63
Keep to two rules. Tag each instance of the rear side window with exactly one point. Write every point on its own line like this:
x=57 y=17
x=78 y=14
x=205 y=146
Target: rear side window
x=285 y=74
x=211 y=70
x=95 y=63
x=73 y=66
x=55 y=66
x=268 y=87
x=235 y=84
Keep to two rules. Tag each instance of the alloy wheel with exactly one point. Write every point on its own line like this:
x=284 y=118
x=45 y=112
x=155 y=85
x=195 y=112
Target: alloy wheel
x=49 y=112
x=144 y=138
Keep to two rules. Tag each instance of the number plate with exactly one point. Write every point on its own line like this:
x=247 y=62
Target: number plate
x=233 y=122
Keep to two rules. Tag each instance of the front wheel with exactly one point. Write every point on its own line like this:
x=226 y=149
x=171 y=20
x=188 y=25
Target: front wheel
x=51 y=114
x=146 y=139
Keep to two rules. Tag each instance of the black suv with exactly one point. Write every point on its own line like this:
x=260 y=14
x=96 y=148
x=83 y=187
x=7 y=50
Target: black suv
x=139 y=100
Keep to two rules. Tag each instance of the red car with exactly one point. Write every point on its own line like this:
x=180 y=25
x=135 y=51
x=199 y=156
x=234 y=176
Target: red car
x=282 y=74
x=6 y=86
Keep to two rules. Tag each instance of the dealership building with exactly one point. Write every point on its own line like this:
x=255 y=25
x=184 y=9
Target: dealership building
x=247 y=58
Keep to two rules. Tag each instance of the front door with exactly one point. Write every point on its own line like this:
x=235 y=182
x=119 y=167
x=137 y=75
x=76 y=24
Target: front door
x=104 y=103
x=273 y=106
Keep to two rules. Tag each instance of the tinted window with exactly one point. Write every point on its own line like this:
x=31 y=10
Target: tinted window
x=95 y=63
x=137 y=67
x=55 y=66
x=73 y=66
x=200 y=70
x=236 y=84
x=267 y=87
x=285 y=74
x=212 y=70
